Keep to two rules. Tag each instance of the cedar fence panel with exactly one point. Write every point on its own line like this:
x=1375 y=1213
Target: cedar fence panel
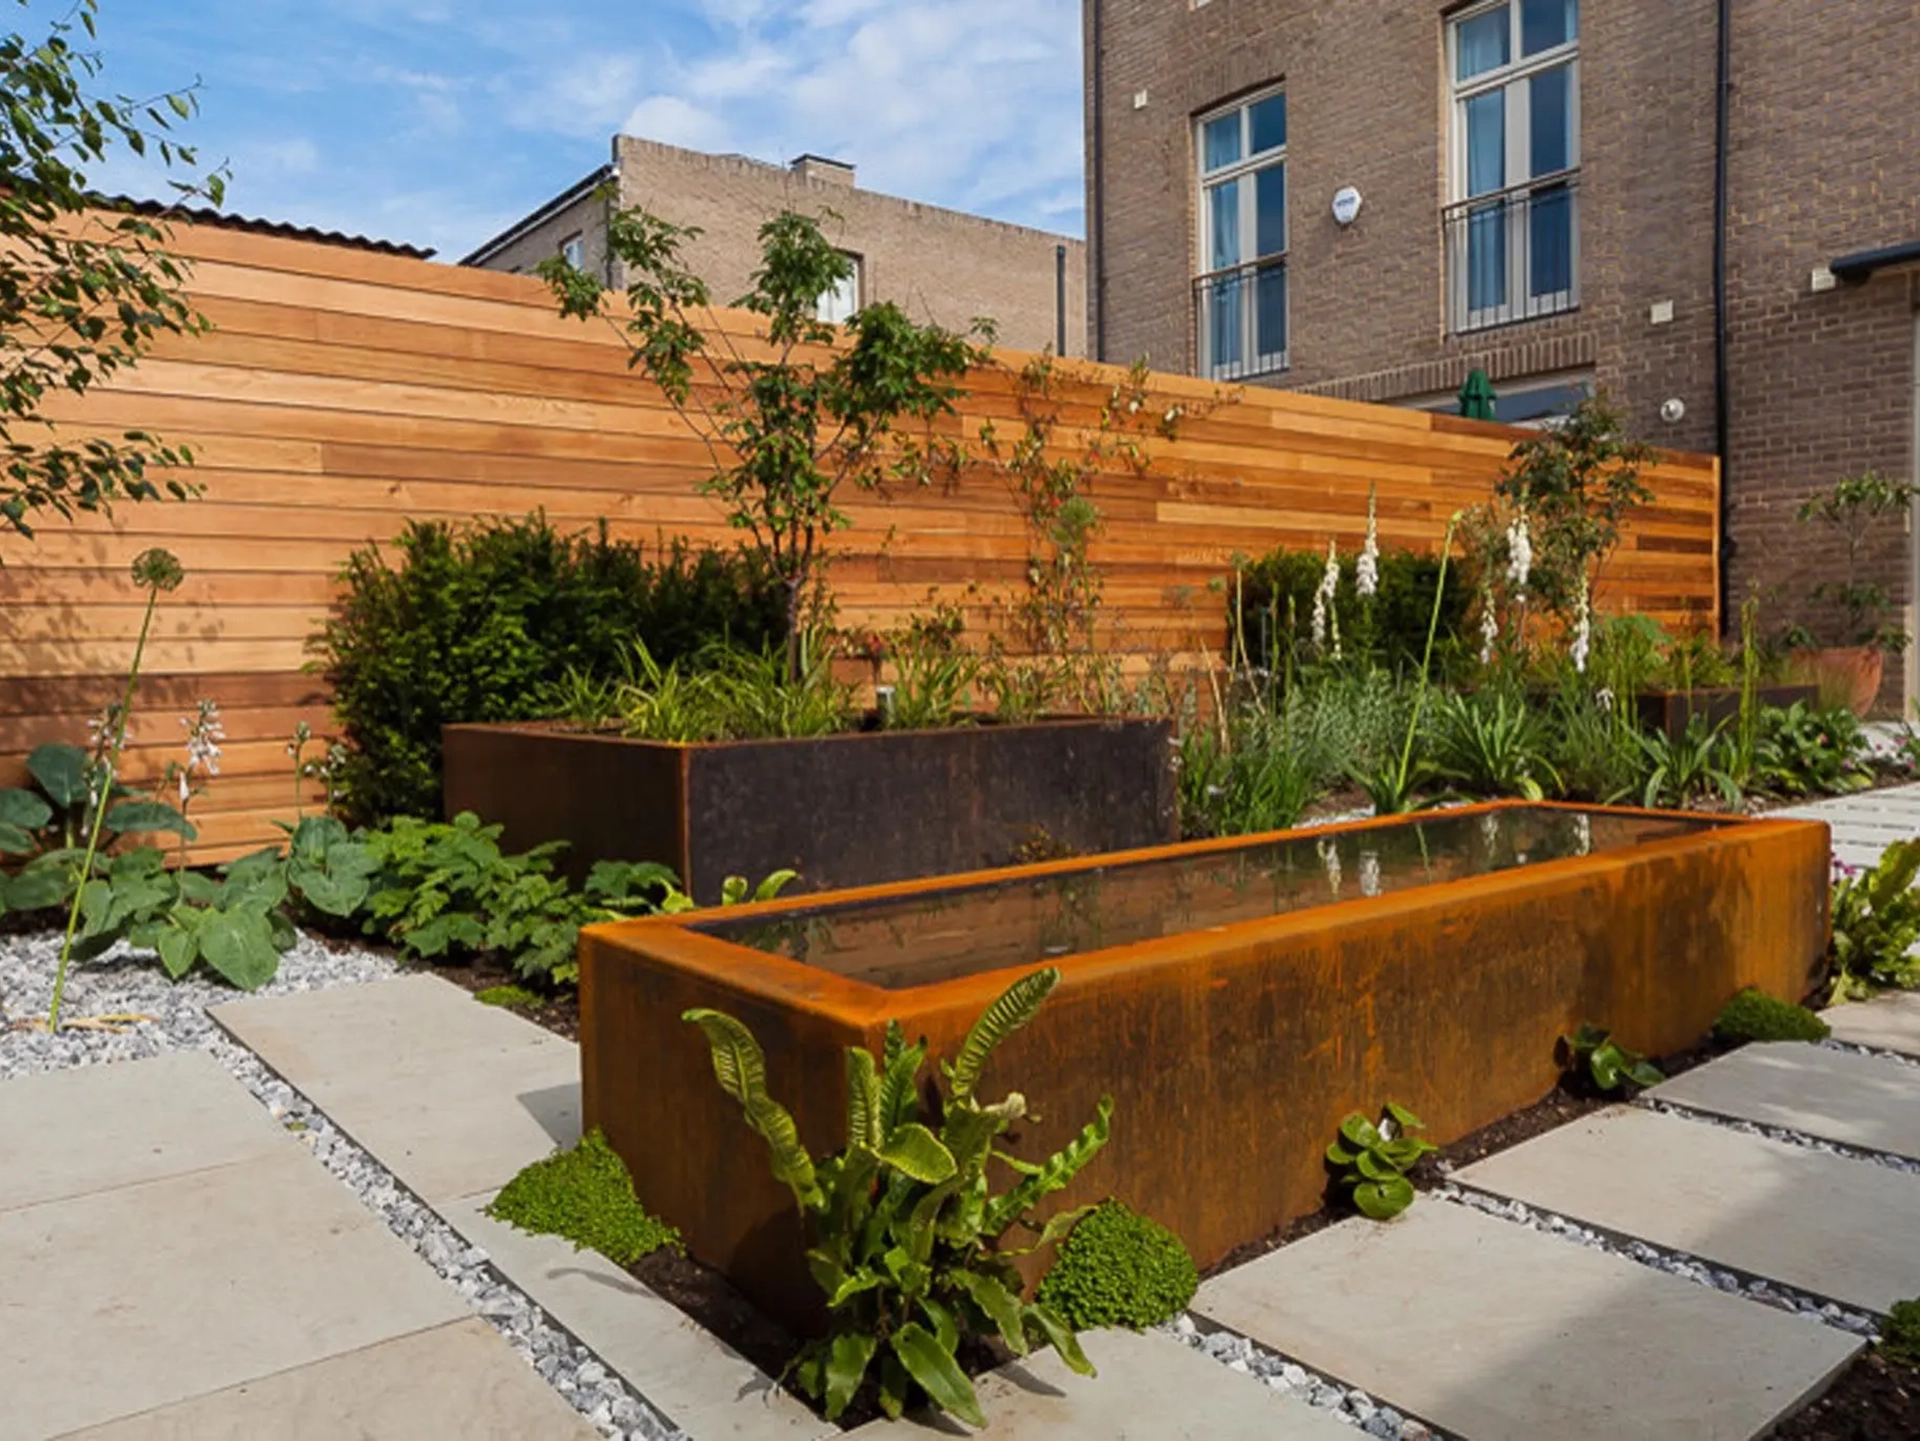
x=343 y=392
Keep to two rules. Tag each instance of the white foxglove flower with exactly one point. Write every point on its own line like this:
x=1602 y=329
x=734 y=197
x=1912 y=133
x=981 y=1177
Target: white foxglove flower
x=1582 y=628
x=1519 y=553
x=1369 y=873
x=1583 y=834
x=1604 y=699
x=1319 y=624
x=1330 y=858
x=1366 y=570
x=1323 y=601
x=1489 y=627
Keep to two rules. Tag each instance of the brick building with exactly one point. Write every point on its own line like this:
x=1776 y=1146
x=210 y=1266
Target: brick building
x=940 y=265
x=1373 y=198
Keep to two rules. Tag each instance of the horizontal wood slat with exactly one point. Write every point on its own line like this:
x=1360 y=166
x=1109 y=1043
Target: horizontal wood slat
x=343 y=392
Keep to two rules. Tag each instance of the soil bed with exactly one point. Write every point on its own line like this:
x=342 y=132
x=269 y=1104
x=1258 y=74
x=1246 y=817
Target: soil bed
x=1874 y=1400
x=558 y=1011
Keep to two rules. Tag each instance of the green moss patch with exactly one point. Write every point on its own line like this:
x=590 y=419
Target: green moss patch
x=585 y=1196
x=1753 y=1015
x=1119 y=1269
x=512 y=997
x=1900 y=1334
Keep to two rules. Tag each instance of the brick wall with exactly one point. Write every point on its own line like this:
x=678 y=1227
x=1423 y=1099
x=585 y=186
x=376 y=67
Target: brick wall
x=585 y=217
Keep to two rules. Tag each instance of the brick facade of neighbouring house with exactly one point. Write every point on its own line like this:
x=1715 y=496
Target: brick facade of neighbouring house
x=1824 y=161
x=940 y=265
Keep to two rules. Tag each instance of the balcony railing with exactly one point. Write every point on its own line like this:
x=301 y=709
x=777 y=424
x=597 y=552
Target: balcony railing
x=1514 y=255
x=1240 y=318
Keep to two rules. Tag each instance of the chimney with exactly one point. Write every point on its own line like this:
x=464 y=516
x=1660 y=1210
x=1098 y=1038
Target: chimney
x=818 y=167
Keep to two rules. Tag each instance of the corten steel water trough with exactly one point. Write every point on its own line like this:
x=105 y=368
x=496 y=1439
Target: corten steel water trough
x=843 y=810
x=1237 y=998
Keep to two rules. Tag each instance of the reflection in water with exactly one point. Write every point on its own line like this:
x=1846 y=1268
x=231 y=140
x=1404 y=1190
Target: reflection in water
x=943 y=933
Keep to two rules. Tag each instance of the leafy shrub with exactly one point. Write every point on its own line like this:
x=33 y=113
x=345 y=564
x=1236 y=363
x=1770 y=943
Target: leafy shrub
x=906 y=1232
x=43 y=826
x=1371 y=1162
x=1592 y=1054
x=1699 y=764
x=1493 y=742
x=1117 y=1268
x=1810 y=750
x=584 y=1195
x=1900 y=1333
x=1388 y=629
x=1753 y=1015
x=1876 y=922
x=479 y=623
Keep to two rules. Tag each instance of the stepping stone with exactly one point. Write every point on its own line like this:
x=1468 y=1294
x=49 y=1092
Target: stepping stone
x=453 y=1097
x=1497 y=1332
x=703 y=1385
x=1887 y=1023
x=459 y=1380
x=145 y=1295
x=1150 y=1388
x=1837 y=1228
x=1868 y=1101
x=67 y=1133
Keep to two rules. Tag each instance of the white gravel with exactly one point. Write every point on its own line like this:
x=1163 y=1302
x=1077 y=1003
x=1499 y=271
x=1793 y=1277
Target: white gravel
x=1781 y=1133
x=125 y=983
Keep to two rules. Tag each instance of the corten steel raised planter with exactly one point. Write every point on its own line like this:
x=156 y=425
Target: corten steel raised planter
x=1237 y=998
x=1670 y=710
x=843 y=810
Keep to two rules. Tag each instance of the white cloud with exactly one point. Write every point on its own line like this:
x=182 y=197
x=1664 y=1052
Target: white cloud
x=675 y=121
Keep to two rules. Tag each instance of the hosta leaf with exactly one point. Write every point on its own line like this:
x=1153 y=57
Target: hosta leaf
x=1016 y=1006
x=25 y=809
x=936 y=1372
x=149 y=816
x=39 y=887
x=178 y=948
x=1059 y=1335
x=61 y=771
x=915 y=1151
x=1372 y=1168
x=238 y=945
x=847 y=1360
x=1605 y=1066
x=1359 y=1132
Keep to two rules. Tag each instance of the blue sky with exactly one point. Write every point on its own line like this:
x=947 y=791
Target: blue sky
x=439 y=122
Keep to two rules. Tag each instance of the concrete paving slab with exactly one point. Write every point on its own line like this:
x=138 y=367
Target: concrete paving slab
x=411 y=1023
x=460 y=1382
x=68 y=1133
x=1867 y=1101
x=134 y=1298
x=1887 y=1023
x=1150 y=1388
x=1497 y=1332
x=1838 y=1228
x=703 y=1385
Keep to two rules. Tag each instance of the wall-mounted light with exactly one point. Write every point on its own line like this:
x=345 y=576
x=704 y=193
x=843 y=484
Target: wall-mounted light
x=1346 y=205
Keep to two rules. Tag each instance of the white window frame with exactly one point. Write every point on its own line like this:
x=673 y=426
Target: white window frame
x=840 y=304
x=1247 y=166
x=573 y=250
x=1513 y=79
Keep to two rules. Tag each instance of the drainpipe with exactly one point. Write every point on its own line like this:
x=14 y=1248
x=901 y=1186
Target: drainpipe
x=1060 y=300
x=1723 y=93
x=1096 y=167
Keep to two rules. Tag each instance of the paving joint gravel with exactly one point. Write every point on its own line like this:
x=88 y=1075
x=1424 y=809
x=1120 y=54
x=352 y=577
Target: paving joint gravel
x=1893 y=1160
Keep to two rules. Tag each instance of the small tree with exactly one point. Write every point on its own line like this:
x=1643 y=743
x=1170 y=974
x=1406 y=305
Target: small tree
x=789 y=422
x=1857 y=508
x=84 y=290
x=1575 y=482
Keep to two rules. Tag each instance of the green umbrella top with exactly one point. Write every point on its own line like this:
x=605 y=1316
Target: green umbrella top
x=1477 y=397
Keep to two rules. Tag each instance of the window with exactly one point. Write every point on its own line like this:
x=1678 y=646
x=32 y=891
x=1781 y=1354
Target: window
x=838 y=305
x=1535 y=402
x=573 y=250
x=1513 y=232
x=1240 y=297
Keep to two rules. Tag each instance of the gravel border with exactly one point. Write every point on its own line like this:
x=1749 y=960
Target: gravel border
x=126 y=983
x=1853 y=1048
x=1282 y=1373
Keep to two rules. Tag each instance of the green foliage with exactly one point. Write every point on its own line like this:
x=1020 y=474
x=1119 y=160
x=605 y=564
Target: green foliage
x=1387 y=630
x=1494 y=742
x=730 y=694
x=1809 y=750
x=508 y=997
x=1699 y=764
x=1117 y=1268
x=1372 y=1161
x=85 y=288
x=1575 y=483
x=43 y=825
x=1858 y=507
x=1592 y=1053
x=786 y=424
x=493 y=621
x=1753 y=1015
x=1900 y=1333
x=934 y=674
x=906 y=1233
x=1876 y=924
x=584 y=1195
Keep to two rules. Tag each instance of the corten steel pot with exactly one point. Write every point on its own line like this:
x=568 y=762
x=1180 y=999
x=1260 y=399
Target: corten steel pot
x=1845 y=675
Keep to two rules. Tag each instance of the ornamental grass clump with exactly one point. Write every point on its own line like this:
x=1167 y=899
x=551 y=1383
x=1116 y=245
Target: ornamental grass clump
x=907 y=1238
x=1753 y=1015
x=585 y=1196
x=1119 y=1268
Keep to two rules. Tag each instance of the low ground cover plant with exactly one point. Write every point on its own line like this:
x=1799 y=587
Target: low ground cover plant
x=584 y=1195
x=1753 y=1015
x=1119 y=1268
x=909 y=1242
x=1591 y=1056
x=1900 y=1333
x=1371 y=1161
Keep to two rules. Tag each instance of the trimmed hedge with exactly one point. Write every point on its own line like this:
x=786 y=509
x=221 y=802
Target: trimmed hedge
x=1117 y=1268
x=1753 y=1015
x=476 y=623
x=1389 y=628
